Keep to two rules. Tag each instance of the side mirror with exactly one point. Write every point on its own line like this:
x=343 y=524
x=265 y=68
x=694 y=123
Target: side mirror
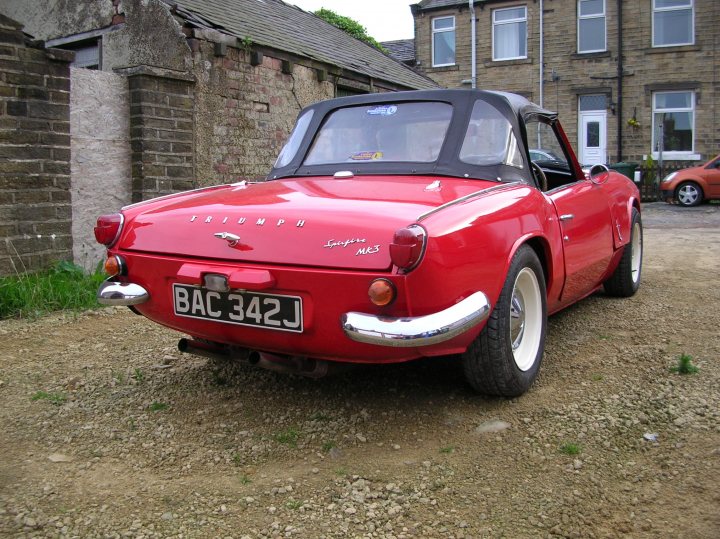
x=599 y=173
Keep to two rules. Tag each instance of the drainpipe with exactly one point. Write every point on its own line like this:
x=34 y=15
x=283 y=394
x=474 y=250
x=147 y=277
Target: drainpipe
x=542 y=55
x=473 y=69
x=619 y=108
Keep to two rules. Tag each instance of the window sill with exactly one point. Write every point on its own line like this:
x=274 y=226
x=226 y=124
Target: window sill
x=440 y=69
x=504 y=63
x=589 y=55
x=672 y=156
x=673 y=48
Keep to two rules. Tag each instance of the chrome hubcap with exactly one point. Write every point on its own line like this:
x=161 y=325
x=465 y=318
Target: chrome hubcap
x=688 y=194
x=517 y=318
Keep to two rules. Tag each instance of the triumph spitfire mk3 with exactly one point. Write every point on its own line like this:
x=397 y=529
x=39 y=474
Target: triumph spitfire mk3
x=391 y=227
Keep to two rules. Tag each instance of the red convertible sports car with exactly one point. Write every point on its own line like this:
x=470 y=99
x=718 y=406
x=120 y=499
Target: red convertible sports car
x=392 y=227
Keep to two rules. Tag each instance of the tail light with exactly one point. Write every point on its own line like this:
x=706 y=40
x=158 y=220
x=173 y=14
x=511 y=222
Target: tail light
x=108 y=228
x=408 y=247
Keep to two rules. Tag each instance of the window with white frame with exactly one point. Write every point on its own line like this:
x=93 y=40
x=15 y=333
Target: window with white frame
x=673 y=122
x=510 y=33
x=591 y=26
x=673 y=23
x=443 y=41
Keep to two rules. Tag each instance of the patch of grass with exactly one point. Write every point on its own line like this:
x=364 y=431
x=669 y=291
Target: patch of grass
x=447 y=449
x=131 y=424
x=327 y=446
x=288 y=437
x=685 y=365
x=244 y=479
x=63 y=286
x=570 y=448
x=158 y=406
x=57 y=398
x=139 y=376
x=293 y=504
x=342 y=472
x=597 y=377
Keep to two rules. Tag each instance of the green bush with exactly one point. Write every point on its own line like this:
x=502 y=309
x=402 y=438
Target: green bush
x=64 y=286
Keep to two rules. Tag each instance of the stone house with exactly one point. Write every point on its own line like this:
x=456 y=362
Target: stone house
x=616 y=71
x=160 y=96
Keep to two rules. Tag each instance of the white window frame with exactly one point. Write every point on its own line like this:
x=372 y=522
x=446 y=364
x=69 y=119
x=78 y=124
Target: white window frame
x=655 y=10
x=581 y=17
x=687 y=155
x=442 y=30
x=511 y=21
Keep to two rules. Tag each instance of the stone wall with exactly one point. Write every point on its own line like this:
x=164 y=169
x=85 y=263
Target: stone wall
x=100 y=151
x=35 y=204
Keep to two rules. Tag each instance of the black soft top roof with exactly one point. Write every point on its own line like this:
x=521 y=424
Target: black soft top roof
x=515 y=108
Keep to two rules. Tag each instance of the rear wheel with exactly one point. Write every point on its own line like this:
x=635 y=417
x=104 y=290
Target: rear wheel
x=689 y=194
x=625 y=280
x=505 y=358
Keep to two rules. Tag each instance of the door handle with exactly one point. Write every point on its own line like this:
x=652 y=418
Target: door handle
x=567 y=217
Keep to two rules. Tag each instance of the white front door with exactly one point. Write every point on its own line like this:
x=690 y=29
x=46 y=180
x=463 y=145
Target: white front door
x=593 y=137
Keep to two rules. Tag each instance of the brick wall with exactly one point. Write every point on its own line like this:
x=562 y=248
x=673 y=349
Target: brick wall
x=161 y=131
x=35 y=206
x=244 y=113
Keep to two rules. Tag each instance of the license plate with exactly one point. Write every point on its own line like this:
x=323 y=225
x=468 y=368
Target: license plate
x=270 y=311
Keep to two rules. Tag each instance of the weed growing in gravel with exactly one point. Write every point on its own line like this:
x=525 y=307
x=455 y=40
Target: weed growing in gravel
x=447 y=449
x=293 y=504
x=158 y=406
x=139 y=376
x=64 y=286
x=685 y=365
x=570 y=448
x=597 y=377
x=245 y=480
x=131 y=425
x=288 y=437
x=327 y=446
x=342 y=472
x=56 y=398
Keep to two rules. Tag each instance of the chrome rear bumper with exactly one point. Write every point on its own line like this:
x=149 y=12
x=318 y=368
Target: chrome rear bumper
x=419 y=331
x=114 y=293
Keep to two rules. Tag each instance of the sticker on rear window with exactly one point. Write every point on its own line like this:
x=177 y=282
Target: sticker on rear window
x=366 y=156
x=383 y=110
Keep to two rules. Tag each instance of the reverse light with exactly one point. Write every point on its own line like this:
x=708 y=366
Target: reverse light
x=108 y=228
x=408 y=247
x=382 y=292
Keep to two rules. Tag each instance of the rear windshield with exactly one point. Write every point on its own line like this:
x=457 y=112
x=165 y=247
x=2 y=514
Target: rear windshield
x=399 y=132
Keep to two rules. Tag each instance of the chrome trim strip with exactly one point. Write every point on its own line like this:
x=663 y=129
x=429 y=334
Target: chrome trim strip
x=114 y=293
x=419 y=331
x=466 y=197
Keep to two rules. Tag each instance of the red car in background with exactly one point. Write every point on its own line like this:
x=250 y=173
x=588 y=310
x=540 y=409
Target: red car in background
x=392 y=227
x=691 y=186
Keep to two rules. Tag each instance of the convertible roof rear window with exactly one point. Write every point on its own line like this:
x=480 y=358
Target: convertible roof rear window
x=391 y=132
x=489 y=139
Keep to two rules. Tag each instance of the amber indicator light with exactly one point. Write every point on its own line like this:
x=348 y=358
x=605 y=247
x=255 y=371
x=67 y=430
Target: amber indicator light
x=113 y=266
x=381 y=292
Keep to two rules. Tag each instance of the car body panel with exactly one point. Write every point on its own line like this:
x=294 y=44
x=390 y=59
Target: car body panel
x=313 y=238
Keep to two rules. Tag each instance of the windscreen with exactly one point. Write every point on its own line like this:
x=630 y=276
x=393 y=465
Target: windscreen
x=401 y=132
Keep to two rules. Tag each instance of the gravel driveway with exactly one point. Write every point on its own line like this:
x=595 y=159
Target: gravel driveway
x=106 y=431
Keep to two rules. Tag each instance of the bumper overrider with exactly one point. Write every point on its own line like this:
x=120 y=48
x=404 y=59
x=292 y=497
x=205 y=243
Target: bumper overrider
x=418 y=331
x=115 y=293
x=366 y=328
